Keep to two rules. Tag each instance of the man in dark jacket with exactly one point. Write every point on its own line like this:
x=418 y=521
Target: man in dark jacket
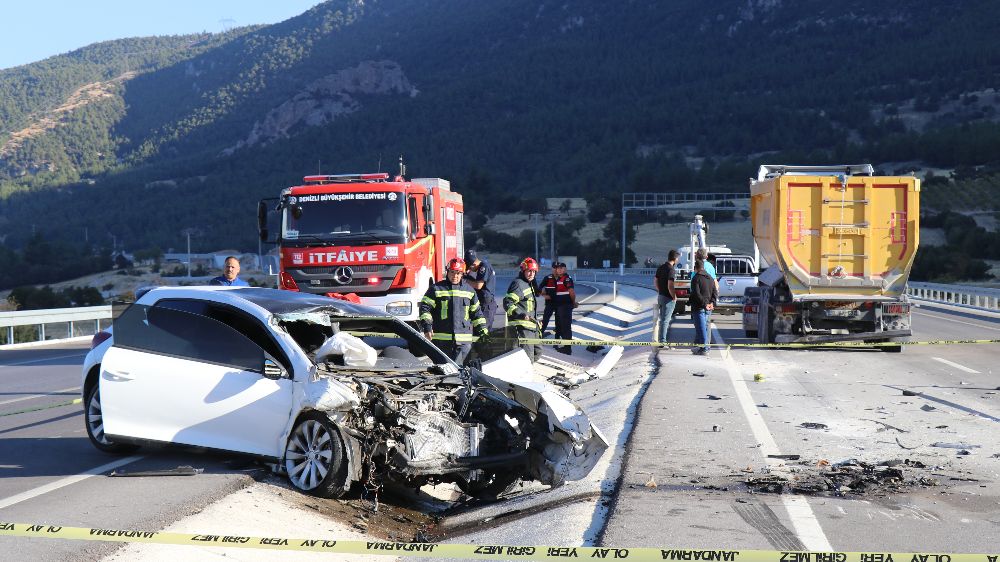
x=704 y=295
x=450 y=313
x=519 y=304
x=483 y=279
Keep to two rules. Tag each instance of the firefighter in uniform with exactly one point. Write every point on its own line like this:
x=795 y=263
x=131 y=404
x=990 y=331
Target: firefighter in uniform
x=450 y=313
x=519 y=304
x=563 y=302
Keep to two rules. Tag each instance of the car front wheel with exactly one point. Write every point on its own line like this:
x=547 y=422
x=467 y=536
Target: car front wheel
x=94 y=419
x=314 y=457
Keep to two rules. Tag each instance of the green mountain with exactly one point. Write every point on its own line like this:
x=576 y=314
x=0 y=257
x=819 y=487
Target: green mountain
x=142 y=138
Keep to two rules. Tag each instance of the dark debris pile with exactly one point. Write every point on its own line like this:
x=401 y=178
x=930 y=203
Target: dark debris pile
x=850 y=477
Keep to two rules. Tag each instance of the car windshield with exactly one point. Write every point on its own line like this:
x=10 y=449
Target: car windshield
x=397 y=346
x=345 y=218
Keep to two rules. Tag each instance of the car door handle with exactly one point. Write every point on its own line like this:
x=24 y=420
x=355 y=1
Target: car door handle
x=117 y=376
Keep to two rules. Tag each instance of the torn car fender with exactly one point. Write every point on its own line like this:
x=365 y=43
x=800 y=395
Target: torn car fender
x=575 y=444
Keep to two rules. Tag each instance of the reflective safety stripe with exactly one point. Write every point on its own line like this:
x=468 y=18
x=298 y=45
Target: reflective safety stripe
x=427 y=317
x=527 y=292
x=444 y=310
x=479 y=322
x=453 y=293
x=512 y=310
x=514 y=297
x=427 y=300
x=474 y=307
x=522 y=323
x=444 y=336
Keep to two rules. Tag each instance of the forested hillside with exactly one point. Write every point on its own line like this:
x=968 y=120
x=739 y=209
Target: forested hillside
x=142 y=138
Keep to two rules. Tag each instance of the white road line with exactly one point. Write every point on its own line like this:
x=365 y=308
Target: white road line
x=43 y=360
x=591 y=295
x=39 y=395
x=62 y=483
x=804 y=522
x=956 y=365
x=936 y=317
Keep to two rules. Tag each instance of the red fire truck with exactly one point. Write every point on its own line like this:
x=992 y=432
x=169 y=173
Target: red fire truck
x=384 y=240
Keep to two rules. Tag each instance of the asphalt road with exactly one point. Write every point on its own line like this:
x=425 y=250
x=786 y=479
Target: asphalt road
x=708 y=424
x=47 y=463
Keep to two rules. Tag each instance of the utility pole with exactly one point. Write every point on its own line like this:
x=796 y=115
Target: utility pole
x=189 y=252
x=552 y=239
x=536 y=241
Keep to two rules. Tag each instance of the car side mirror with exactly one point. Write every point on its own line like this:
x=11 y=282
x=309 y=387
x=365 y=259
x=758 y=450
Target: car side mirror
x=296 y=211
x=273 y=371
x=429 y=228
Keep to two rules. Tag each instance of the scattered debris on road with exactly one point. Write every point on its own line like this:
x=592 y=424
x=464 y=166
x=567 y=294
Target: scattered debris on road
x=847 y=477
x=184 y=470
x=943 y=445
x=813 y=425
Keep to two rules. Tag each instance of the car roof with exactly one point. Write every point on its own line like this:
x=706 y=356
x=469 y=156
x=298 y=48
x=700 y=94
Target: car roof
x=273 y=301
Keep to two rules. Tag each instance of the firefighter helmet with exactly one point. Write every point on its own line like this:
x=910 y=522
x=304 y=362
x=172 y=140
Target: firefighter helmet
x=456 y=264
x=529 y=264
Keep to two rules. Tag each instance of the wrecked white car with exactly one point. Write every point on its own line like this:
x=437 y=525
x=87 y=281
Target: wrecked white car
x=335 y=394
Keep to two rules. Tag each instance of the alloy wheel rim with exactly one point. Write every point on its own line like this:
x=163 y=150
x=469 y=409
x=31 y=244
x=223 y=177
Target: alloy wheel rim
x=309 y=454
x=95 y=418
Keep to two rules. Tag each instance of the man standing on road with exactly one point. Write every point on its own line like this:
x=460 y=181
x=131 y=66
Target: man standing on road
x=230 y=274
x=548 y=290
x=564 y=301
x=702 y=254
x=483 y=279
x=666 y=298
x=704 y=294
x=519 y=304
x=450 y=313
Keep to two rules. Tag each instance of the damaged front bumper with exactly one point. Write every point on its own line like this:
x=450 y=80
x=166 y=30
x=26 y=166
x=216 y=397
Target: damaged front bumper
x=574 y=443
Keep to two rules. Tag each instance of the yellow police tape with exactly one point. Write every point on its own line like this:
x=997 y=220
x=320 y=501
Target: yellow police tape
x=473 y=551
x=626 y=343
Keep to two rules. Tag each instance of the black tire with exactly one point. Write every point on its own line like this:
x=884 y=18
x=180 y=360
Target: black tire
x=315 y=458
x=752 y=334
x=93 y=420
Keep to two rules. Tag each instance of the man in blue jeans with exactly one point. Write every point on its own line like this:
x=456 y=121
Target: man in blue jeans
x=704 y=295
x=666 y=298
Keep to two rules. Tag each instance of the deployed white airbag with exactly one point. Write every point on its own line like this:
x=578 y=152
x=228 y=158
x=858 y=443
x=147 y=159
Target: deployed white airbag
x=356 y=353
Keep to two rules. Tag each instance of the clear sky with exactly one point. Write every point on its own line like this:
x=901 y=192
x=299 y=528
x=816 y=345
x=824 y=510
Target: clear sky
x=36 y=29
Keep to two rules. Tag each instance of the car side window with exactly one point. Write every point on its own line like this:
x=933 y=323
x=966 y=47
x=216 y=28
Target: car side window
x=177 y=333
x=238 y=320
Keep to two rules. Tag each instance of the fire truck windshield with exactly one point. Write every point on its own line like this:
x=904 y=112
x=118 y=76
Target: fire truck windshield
x=350 y=218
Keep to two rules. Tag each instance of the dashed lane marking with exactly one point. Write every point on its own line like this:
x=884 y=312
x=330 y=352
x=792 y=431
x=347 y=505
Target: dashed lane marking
x=956 y=365
x=937 y=317
x=40 y=395
x=81 y=355
x=804 y=522
x=63 y=482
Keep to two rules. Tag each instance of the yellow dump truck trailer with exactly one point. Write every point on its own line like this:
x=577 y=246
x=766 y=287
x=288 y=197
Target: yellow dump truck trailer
x=840 y=242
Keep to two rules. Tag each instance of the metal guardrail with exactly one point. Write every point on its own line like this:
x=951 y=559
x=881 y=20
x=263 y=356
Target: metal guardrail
x=961 y=295
x=25 y=326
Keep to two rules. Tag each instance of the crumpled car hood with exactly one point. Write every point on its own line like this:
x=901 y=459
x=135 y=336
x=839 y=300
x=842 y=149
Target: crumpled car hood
x=575 y=443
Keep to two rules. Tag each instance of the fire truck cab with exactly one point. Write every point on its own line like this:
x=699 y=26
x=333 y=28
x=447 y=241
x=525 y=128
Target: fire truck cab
x=383 y=240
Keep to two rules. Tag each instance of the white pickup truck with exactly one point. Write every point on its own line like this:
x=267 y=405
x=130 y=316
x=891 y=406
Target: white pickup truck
x=736 y=272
